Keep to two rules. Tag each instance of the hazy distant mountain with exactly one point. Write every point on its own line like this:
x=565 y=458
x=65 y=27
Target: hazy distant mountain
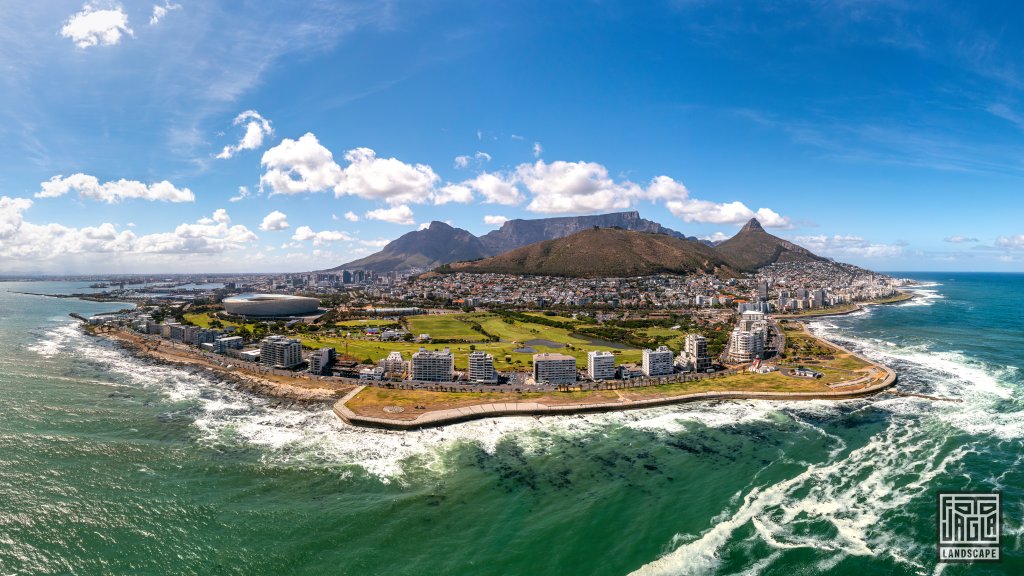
x=423 y=249
x=596 y=252
x=518 y=233
x=752 y=248
x=441 y=243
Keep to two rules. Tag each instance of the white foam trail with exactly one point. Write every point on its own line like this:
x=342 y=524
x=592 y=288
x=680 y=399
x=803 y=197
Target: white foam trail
x=851 y=494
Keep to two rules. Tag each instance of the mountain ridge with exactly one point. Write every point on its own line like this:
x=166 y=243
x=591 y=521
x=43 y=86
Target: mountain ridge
x=603 y=252
x=441 y=243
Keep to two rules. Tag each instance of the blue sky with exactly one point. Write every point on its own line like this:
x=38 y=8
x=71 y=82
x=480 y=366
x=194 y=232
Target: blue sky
x=266 y=136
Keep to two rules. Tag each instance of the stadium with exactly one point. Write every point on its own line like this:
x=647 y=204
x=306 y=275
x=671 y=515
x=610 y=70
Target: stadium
x=270 y=305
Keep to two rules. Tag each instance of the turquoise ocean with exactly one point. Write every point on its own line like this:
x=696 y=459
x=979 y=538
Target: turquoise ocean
x=115 y=465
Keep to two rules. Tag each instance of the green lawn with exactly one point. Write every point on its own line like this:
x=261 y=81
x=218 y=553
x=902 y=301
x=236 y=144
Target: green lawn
x=203 y=320
x=444 y=326
x=676 y=338
x=512 y=337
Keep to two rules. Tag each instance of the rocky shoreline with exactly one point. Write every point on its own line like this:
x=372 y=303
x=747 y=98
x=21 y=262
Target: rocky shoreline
x=300 y=390
x=310 y=390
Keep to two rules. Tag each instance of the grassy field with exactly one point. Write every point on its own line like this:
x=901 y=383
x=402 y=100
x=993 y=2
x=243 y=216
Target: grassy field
x=456 y=326
x=203 y=320
x=555 y=317
x=675 y=338
x=445 y=326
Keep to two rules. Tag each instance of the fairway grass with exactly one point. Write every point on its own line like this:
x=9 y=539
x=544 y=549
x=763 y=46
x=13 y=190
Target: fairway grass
x=511 y=336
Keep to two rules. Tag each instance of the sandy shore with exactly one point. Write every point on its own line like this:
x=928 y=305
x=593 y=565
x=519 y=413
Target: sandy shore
x=252 y=379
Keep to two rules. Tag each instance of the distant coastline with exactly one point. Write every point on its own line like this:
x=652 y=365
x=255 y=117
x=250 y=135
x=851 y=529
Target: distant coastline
x=904 y=296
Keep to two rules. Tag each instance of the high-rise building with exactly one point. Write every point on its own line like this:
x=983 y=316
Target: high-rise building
x=600 y=365
x=746 y=345
x=481 y=367
x=280 y=352
x=762 y=291
x=554 y=368
x=433 y=366
x=695 y=352
x=320 y=362
x=657 y=362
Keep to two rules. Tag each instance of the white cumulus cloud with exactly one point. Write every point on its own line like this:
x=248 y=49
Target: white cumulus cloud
x=304 y=165
x=574 y=187
x=400 y=214
x=256 y=128
x=351 y=216
x=678 y=201
x=96 y=26
x=274 y=221
x=114 y=191
x=304 y=233
x=495 y=220
x=496 y=188
x=453 y=193
x=21 y=240
x=296 y=166
x=10 y=215
x=388 y=179
x=958 y=239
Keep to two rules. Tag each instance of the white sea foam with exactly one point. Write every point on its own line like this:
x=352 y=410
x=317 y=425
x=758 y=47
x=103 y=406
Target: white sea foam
x=56 y=340
x=948 y=374
x=851 y=494
x=924 y=296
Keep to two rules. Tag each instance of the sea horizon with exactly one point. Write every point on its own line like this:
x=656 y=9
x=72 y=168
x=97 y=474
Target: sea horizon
x=169 y=459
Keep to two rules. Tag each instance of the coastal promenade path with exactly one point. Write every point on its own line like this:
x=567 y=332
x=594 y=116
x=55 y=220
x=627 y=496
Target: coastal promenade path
x=490 y=410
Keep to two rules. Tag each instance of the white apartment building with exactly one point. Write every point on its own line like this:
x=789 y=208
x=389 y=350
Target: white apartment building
x=280 y=352
x=433 y=366
x=746 y=345
x=554 y=368
x=394 y=364
x=600 y=365
x=481 y=368
x=221 y=345
x=657 y=362
x=320 y=362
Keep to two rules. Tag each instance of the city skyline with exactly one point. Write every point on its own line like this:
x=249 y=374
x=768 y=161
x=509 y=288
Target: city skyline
x=195 y=137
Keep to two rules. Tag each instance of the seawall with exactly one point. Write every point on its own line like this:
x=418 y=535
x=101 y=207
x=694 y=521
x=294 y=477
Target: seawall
x=478 y=411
